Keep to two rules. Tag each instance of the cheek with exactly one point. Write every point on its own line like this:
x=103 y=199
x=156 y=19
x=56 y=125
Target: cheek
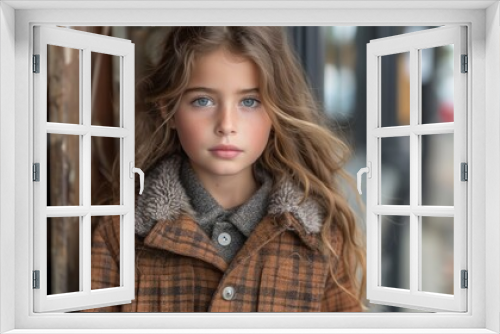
x=259 y=131
x=189 y=131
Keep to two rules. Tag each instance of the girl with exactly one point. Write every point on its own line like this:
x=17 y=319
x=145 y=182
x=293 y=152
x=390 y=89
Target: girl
x=241 y=209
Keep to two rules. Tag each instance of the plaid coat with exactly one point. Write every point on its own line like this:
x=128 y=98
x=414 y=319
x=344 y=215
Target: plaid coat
x=178 y=269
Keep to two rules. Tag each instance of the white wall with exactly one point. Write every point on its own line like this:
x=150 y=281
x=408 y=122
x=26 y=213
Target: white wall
x=492 y=165
x=7 y=90
x=7 y=157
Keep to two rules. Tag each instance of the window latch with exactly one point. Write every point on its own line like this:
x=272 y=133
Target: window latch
x=133 y=170
x=367 y=170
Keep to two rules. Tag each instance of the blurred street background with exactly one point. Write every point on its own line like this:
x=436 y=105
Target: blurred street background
x=334 y=59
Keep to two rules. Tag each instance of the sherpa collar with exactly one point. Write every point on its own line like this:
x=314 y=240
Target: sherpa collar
x=164 y=198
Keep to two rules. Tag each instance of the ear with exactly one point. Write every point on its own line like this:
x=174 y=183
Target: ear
x=160 y=106
x=171 y=124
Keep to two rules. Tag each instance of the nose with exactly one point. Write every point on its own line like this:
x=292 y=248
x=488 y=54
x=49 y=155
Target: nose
x=226 y=120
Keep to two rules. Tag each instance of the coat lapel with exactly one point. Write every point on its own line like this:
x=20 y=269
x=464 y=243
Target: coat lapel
x=263 y=233
x=185 y=237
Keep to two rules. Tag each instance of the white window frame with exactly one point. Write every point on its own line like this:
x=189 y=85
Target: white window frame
x=482 y=19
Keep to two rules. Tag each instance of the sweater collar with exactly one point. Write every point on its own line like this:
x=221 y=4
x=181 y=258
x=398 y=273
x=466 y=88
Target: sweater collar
x=244 y=217
x=165 y=198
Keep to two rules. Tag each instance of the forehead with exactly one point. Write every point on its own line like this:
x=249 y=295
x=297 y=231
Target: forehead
x=222 y=68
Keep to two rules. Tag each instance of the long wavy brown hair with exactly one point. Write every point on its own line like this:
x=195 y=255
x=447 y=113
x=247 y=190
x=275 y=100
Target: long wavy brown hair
x=301 y=146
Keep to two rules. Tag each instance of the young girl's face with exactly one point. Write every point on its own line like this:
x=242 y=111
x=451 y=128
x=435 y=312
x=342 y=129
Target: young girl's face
x=221 y=123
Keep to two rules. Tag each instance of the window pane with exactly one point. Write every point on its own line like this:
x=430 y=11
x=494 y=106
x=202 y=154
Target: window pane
x=105 y=89
x=395 y=178
x=437 y=84
x=106 y=256
x=395 y=257
x=105 y=171
x=395 y=89
x=63 y=255
x=63 y=170
x=63 y=85
x=437 y=254
x=437 y=169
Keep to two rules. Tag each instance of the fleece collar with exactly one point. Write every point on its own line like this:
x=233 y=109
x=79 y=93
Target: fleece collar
x=164 y=198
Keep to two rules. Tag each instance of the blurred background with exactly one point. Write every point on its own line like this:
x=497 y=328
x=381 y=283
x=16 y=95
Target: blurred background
x=334 y=59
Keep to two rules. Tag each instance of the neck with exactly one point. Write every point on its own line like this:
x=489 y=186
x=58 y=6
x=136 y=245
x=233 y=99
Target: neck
x=229 y=190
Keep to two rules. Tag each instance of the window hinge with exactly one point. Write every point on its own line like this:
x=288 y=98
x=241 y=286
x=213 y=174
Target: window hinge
x=464 y=171
x=465 y=64
x=36 y=172
x=36 y=279
x=36 y=63
x=465 y=279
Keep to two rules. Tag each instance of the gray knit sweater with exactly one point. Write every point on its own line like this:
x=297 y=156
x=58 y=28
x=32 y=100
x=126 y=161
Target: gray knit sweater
x=230 y=228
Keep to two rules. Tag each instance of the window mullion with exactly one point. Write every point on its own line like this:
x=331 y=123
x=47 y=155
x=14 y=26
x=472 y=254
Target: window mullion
x=86 y=167
x=414 y=171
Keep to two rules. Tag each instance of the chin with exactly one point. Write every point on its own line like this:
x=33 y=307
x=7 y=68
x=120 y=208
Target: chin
x=225 y=170
x=228 y=167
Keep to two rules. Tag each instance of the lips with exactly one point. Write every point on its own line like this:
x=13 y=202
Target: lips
x=225 y=151
x=225 y=148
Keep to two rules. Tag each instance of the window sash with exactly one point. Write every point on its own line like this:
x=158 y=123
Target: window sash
x=86 y=43
x=413 y=297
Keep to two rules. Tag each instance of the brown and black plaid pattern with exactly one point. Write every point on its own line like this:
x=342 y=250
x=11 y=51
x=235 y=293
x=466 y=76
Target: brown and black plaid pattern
x=278 y=269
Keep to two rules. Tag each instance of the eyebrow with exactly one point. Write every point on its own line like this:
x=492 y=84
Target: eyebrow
x=213 y=91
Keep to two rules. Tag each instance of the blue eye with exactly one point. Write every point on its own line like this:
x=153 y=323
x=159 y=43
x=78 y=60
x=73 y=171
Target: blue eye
x=251 y=103
x=202 y=102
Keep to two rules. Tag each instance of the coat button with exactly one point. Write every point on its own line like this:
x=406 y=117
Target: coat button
x=228 y=293
x=224 y=239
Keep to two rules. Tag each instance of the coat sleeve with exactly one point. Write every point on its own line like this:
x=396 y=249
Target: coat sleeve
x=335 y=298
x=105 y=259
